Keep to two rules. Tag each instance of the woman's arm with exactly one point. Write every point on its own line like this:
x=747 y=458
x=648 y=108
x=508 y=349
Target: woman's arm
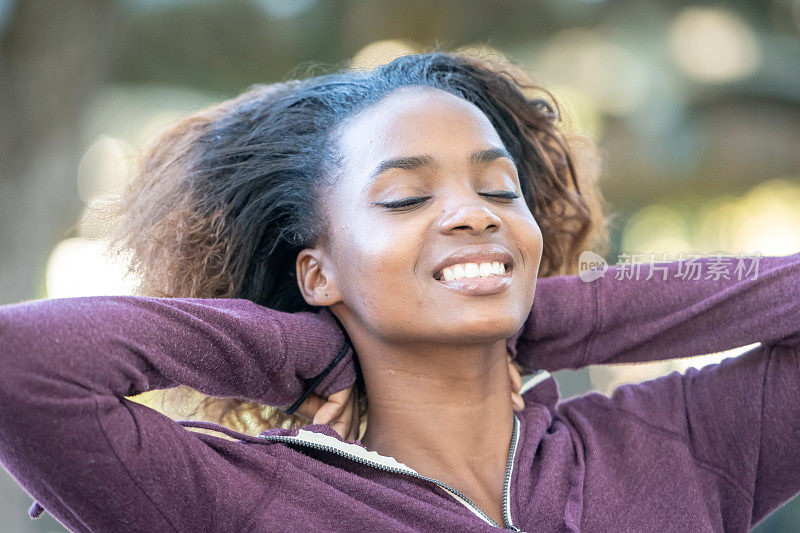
x=609 y=320
x=98 y=461
x=739 y=421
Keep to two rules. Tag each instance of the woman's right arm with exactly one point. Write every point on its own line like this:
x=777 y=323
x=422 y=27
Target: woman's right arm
x=98 y=461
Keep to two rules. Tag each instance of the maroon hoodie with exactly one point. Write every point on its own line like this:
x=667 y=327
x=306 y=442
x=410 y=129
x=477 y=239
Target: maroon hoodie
x=715 y=449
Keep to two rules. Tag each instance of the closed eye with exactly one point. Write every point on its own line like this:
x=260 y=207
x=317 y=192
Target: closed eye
x=508 y=195
x=415 y=200
x=405 y=202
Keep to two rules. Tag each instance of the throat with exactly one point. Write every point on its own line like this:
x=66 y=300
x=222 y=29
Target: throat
x=488 y=499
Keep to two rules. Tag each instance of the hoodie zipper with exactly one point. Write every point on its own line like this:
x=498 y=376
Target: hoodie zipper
x=458 y=495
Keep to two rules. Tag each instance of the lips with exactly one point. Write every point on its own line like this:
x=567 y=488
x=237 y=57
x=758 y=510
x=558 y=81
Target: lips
x=484 y=253
x=478 y=286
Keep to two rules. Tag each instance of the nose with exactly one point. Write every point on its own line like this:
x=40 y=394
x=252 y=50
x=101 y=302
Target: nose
x=471 y=217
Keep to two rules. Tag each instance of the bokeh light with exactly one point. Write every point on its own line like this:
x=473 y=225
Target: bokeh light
x=579 y=114
x=613 y=78
x=713 y=45
x=656 y=229
x=105 y=167
x=381 y=52
x=769 y=219
x=281 y=9
x=80 y=267
x=764 y=220
x=481 y=50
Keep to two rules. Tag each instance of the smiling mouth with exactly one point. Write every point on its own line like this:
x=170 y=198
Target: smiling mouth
x=508 y=268
x=491 y=283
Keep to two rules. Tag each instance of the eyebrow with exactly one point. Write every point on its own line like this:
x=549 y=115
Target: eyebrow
x=414 y=162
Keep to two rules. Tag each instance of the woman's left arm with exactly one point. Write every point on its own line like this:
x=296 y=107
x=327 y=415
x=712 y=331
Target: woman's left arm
x=740 y=418
x=683 y=309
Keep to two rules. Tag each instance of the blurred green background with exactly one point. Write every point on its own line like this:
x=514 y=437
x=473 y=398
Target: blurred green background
x=694 y=108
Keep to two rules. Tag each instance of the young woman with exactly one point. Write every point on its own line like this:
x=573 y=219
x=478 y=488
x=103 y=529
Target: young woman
x=368 y=245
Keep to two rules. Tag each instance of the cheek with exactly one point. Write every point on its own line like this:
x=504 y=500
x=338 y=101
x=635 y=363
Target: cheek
x=531 y=236
x=384 y=282
x=537 y=239
x=527 y=237
x=383 y=263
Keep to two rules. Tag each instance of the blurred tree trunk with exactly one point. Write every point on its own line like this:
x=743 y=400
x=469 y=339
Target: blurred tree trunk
x=54 y=54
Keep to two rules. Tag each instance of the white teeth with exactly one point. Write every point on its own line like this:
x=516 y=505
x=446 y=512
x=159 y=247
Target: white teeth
x=473 y=270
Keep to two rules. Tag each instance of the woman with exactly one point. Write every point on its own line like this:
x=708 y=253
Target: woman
x=415 y=205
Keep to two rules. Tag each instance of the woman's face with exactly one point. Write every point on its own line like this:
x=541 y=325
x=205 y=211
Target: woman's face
x=381 y=269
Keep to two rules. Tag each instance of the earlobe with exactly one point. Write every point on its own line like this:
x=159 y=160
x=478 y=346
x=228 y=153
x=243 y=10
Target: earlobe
x=317 y=288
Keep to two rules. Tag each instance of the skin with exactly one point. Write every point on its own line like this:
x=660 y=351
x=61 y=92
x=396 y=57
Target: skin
x=440 y=385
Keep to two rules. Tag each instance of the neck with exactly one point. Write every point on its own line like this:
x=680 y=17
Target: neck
x=444 y=410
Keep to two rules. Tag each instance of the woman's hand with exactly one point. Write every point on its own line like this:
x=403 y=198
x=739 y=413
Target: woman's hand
x=339 y=411
x=515 y=371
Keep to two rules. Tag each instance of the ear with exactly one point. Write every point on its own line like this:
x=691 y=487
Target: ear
x=315 y=281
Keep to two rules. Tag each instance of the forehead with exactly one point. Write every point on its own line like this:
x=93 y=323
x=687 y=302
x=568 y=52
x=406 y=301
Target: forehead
x=413 y=121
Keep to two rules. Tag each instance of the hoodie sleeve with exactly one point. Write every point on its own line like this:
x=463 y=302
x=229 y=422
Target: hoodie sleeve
x=739 y=419
x=685 y=308
x=100 y=462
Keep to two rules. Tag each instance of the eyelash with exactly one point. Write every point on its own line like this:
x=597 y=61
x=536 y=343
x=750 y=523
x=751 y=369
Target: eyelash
x=414 y=200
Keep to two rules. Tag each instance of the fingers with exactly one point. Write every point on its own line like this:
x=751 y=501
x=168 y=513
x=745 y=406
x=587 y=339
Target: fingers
x=341 y=397
x=348 y=423
x=342 y=424
x=355 y=427
x=338 y=412
x=331 y=408
x=517 y=401
x=310 y=406
x=516 y=385
x=516 y=379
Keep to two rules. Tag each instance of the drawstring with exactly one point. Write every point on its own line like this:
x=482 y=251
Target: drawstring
x=36 y=510
x=316 y=380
